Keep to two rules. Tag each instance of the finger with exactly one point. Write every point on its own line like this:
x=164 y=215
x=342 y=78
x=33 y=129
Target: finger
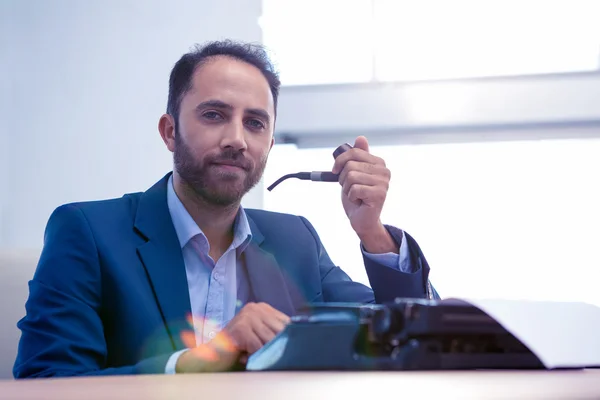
x=281 y=316
x=361 y=178
x=274 y=319
x=275 y=324
x=253 y=343
x=355 y=155
x=264 y=332
x=361 y=142
x=269 y=311
x=353 y=167
x=367 y=194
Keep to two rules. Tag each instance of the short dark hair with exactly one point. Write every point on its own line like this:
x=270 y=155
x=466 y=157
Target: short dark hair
x=180 y=80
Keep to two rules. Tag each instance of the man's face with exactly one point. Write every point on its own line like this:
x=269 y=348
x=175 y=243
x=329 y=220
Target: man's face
x=224 y=131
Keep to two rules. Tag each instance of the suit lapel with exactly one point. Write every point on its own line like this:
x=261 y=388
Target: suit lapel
x=162 y=257
x=267 y=280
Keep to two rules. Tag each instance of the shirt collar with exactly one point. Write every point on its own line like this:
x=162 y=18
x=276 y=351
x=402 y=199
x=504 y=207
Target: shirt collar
x=186 y=228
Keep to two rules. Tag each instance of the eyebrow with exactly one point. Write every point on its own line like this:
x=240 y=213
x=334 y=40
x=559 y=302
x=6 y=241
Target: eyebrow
x=224 y=106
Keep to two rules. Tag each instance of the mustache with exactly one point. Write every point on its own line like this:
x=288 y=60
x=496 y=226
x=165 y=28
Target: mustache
x=230 y=157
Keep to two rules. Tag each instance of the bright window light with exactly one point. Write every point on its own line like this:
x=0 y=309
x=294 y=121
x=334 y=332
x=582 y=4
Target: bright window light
x=512 y=220
x=319 y=41
x=436 y=39
x=344 y=41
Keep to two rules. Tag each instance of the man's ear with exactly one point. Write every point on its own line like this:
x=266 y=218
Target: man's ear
x=166 y=127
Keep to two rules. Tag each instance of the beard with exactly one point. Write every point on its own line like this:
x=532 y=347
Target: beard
x=214 y=186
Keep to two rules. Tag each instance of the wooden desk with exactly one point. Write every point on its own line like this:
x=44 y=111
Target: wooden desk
x=320 y=385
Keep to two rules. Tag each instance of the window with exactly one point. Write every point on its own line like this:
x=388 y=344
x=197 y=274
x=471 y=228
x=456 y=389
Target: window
x=318 y=41
x=342 y=41
x=516 y=220
x=429 y=39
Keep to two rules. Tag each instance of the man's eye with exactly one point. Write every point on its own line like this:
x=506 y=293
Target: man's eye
x=255 y=124
x=211 y=115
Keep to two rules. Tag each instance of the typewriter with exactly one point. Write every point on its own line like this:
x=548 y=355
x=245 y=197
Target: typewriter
x=408 y=334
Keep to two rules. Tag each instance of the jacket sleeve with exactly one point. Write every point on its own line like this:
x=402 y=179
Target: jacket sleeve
x=390 y=283
x=387 y=283
x=62 y=332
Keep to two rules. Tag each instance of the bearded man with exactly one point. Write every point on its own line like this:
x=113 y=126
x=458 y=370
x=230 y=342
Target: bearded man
x=181 y=278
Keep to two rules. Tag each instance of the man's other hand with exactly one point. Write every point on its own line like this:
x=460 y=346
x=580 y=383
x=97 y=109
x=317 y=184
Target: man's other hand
x=255 y=325
x=246 y=333
x=365 y=180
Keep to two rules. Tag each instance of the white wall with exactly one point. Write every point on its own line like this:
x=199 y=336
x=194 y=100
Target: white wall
x=91 y=80
x=5 y=111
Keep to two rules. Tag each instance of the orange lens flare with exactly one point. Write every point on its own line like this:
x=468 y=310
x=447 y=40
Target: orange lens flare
x=221 y=343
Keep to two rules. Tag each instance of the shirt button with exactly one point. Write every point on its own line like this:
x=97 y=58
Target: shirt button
x=212 y=334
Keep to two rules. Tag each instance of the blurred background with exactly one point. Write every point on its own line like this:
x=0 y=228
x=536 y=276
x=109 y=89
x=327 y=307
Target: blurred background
x=487 y=113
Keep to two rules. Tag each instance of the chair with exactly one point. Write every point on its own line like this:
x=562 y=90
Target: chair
x=16 y=269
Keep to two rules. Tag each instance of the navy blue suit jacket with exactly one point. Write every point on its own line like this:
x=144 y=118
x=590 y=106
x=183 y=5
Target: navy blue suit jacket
x=110 y=295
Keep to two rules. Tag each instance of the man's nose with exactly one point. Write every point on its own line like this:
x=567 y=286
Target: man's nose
x=234 y=136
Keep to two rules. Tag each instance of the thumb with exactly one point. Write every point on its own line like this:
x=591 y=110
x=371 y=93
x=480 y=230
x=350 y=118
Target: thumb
x=362 y=143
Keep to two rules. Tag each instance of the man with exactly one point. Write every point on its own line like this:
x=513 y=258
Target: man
x=181 y=278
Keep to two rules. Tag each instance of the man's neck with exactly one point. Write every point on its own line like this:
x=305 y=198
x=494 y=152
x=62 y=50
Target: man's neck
x=216 y=222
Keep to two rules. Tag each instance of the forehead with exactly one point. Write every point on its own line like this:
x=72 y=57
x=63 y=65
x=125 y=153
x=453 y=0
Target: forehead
x=235 y=82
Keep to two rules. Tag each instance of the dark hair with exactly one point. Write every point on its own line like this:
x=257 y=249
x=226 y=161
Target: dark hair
x=180 y=80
